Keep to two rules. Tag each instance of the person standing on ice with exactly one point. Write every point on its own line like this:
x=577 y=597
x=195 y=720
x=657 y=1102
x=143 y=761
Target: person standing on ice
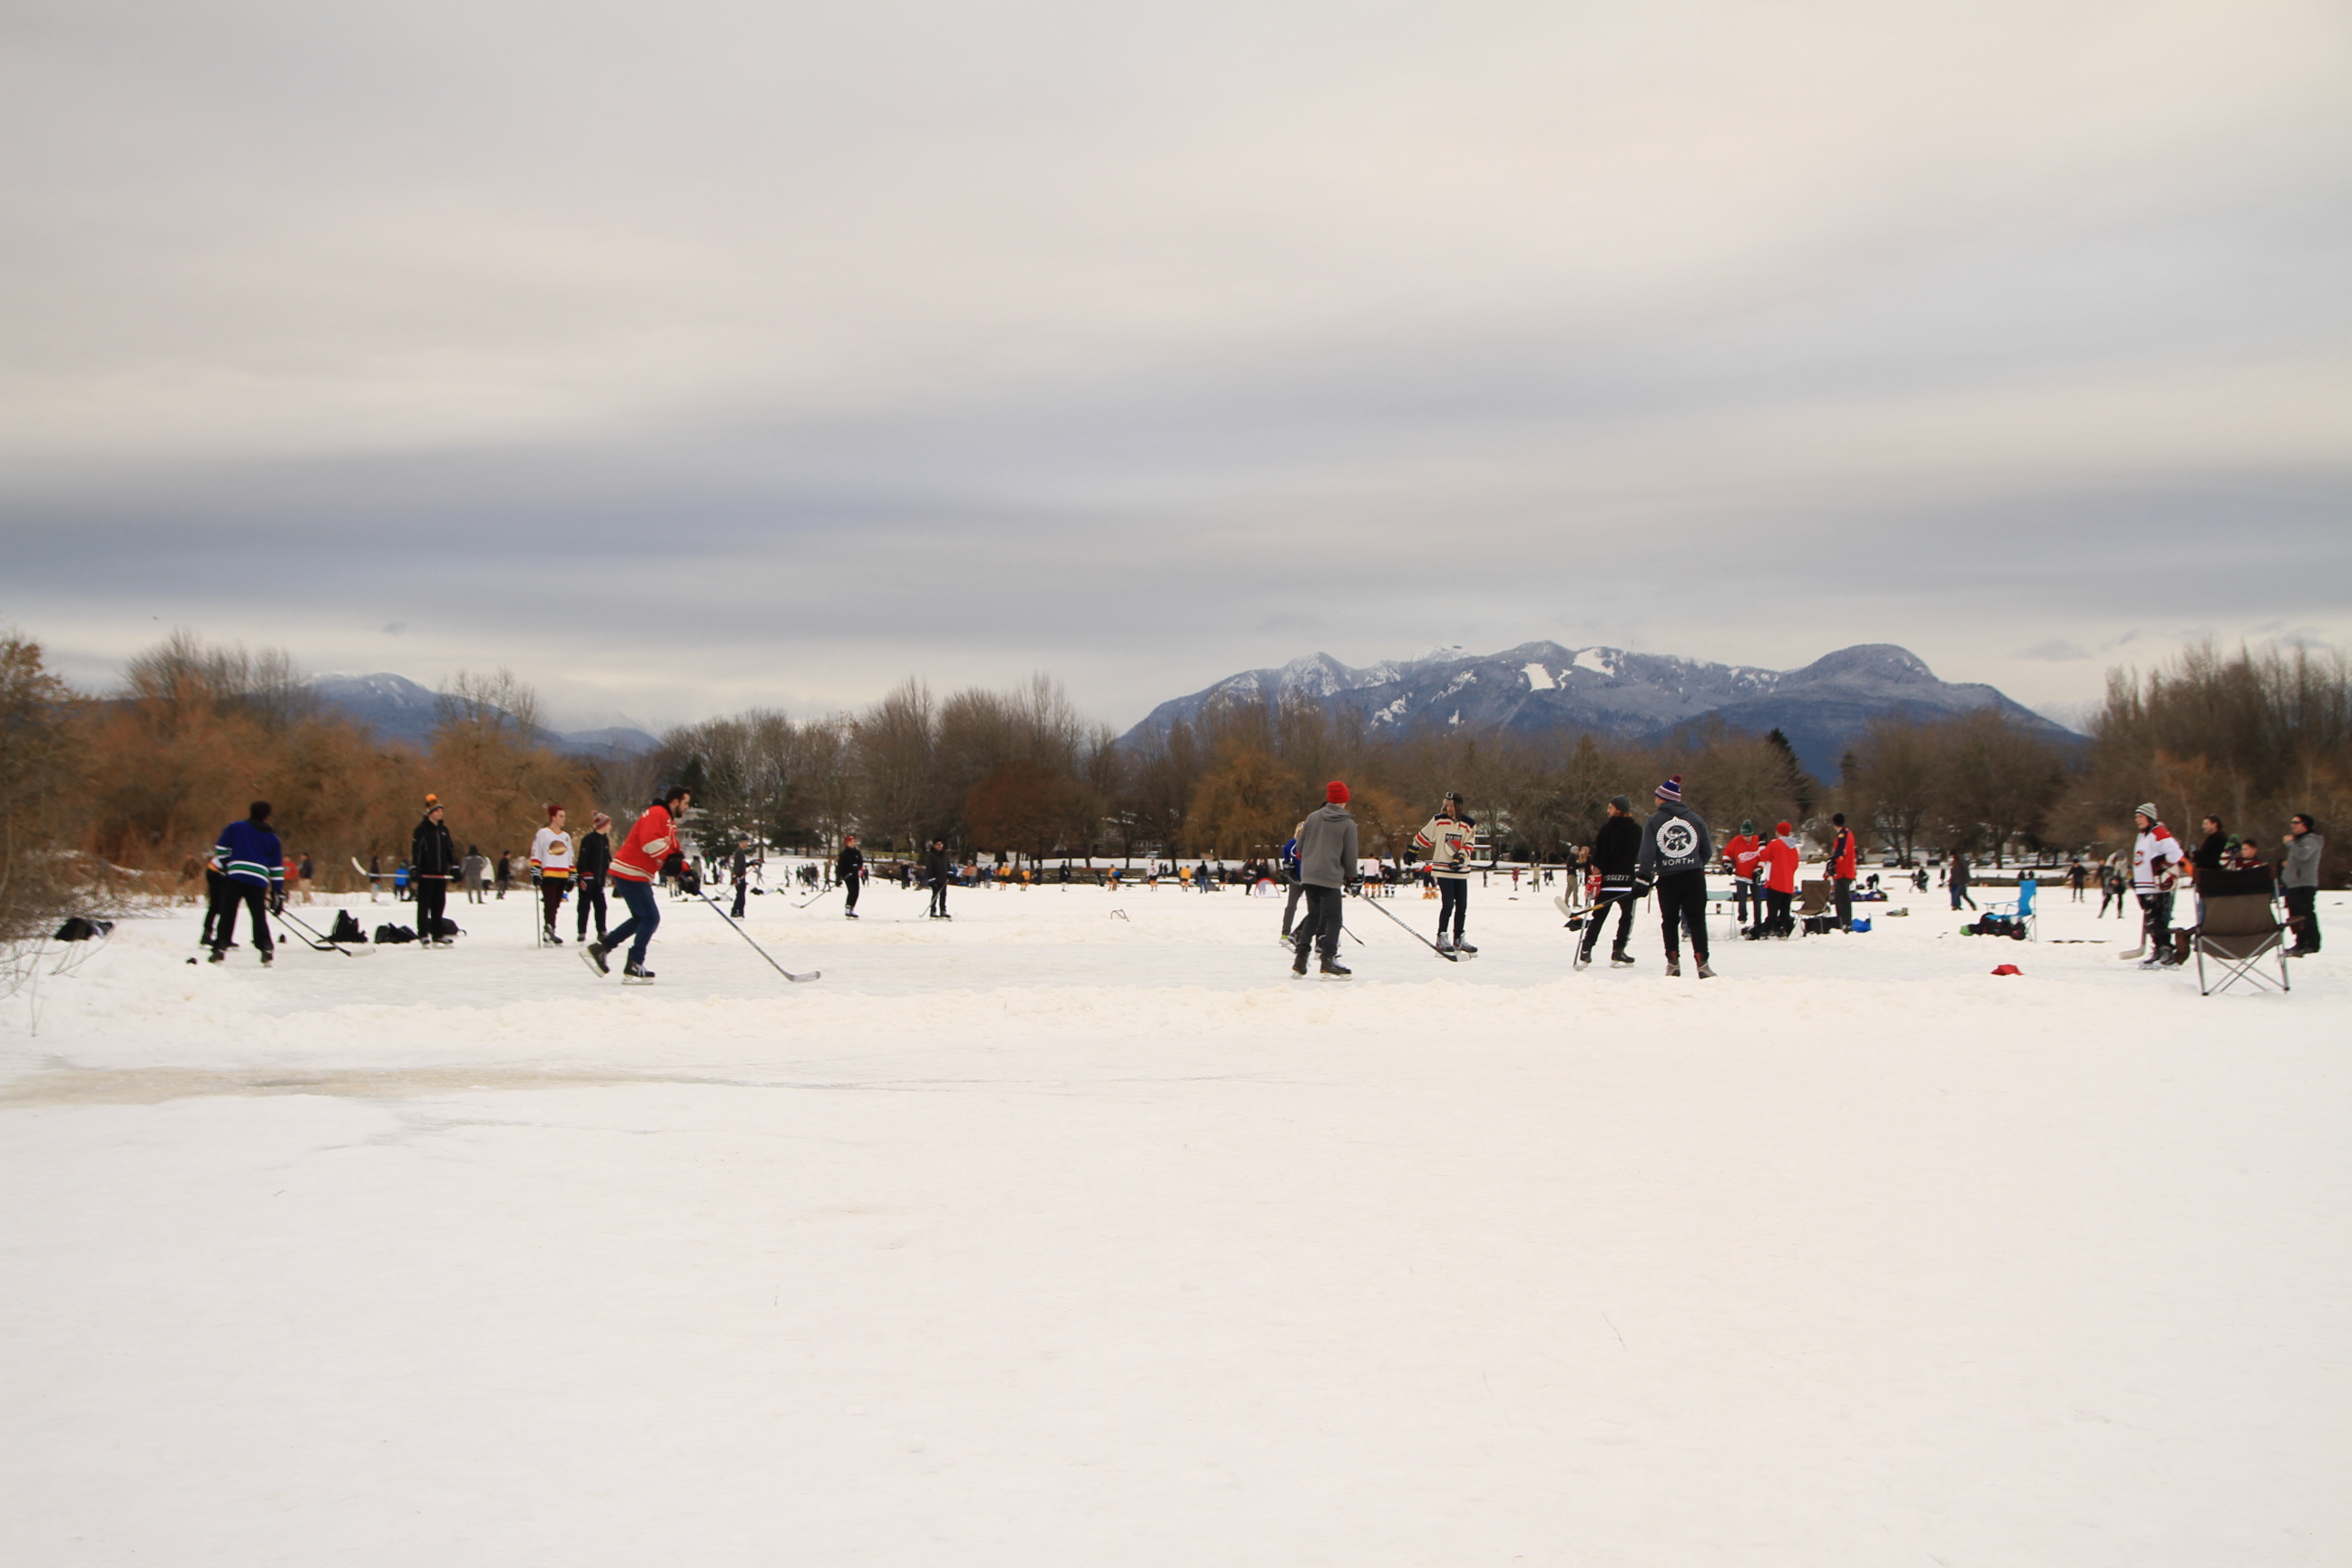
x=1675 y=852
x=2156 y=864
x=1616 y=852
x=1327 y=858
x=432 y=861
x=1447 y=841
x=552 y=858
x=651 y=844
x=850 y=871
x=1740 y=851
x=253 y=868
x=593 y=859
x=1956 y=879
x=938 y=867
x=2299 y=883
x=1843 y=853
x=739 y=867
x=1776 y=871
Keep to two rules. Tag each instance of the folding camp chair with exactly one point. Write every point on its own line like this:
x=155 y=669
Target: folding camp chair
x=2239 y=932
x=2020 y=909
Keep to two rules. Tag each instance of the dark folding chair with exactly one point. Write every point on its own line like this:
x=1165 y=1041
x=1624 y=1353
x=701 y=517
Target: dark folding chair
x=2239 y=932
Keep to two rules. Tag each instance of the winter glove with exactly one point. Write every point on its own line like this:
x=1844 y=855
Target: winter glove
x=1641 y=890
x=277 y=902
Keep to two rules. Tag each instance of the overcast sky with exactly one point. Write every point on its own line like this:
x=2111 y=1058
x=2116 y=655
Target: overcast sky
x=693 y=355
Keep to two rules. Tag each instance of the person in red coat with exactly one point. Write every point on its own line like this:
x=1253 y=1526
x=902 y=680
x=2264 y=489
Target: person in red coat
x=1777 y=864
x=1739 y=853
x=652 y=841
x=1842 y=869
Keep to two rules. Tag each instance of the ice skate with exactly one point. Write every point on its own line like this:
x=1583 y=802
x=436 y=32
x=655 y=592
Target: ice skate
x=593 y=955
x=1706 y=969
x=1674 y=967
x=1333 y=970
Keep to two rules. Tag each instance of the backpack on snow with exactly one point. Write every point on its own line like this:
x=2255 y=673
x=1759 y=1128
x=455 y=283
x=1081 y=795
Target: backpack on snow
x=443 y=928
x=346 y=929
x=386 y=935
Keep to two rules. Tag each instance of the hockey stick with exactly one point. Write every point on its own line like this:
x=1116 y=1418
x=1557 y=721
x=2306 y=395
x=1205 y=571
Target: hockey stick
x=317 y=941
x=1599 y=908
x=815 y=896
x=1408 y=931
x=723 y=914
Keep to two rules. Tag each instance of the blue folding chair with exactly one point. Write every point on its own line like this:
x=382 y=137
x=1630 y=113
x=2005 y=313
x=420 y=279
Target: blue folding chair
x=2021 y=909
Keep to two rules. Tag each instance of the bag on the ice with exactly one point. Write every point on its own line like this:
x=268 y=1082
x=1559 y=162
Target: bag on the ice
x=1996 y=925
x=385 y=935
x=346 y=929
x=77 y=928
x=443 y=928
x=1819 y=925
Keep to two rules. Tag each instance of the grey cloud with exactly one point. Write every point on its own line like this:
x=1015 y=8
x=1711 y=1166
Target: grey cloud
x=2054 y=650
x=788 y=352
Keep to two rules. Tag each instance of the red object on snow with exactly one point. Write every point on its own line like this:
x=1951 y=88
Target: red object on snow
x=2009 y=969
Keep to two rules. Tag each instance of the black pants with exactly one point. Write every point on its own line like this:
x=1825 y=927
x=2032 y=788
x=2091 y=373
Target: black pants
x=2156 y=920
x=849 y=893
x=1742 y=889
x=2302 y=907
x=1776 y=910
x=432 y=897
x=591 y=892
x=1320 y=929
x=1452 y=899
x=1844 y=886
x=938 y=895
x=743 y=891
x=1682 y=901
x=1598 y=916
x=253 y=896
x=214 y=884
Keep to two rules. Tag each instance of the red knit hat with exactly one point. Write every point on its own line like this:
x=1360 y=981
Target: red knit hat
x=1784 y=830
x=1336 y=792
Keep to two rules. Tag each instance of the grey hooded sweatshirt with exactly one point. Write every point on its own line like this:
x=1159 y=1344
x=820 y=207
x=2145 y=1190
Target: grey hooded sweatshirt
x=1327 y=848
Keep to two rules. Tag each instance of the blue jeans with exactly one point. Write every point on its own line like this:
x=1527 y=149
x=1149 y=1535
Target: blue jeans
x=644 y=917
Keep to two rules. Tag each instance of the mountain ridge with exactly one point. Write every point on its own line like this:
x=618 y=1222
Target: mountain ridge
x=1542 y=686
x=397 y=708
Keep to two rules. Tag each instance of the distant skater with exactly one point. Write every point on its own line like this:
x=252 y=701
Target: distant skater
x=850 y=871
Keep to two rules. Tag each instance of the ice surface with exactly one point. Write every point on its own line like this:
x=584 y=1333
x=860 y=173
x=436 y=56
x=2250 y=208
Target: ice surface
x=1047 y=1237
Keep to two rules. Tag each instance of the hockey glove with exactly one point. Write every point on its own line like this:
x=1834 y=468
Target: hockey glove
x=1640 y=890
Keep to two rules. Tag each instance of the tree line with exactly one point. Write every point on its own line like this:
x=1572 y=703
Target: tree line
x=137 y=780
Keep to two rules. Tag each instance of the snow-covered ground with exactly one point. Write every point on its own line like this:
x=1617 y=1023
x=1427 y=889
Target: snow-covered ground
x=1077 y=1232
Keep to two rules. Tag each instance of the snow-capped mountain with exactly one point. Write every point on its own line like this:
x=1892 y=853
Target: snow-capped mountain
x=398 y=709
x=1541 y=686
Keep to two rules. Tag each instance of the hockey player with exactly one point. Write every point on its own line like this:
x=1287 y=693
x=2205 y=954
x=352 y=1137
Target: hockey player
x=739 y=865
x=1616 y=852
x=594 y=859
x=2156 y=864
x=552 y=859
x=651 y=843
x=1446 y=840
x=1327 y=857
x=850 y=871
x=432 y=861
x=937 y=868
x=1674 y=852
x=253 y=868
